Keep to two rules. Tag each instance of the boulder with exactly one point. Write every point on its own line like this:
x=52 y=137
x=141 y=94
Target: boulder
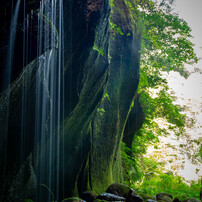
x=165 y=199
x=176 y=199
x=161 y=195
x=74 y=199
x=88 y=196
x=191 y=200
x=133 y=197
x=110 y=197
x=118 y=189
x=145 y=197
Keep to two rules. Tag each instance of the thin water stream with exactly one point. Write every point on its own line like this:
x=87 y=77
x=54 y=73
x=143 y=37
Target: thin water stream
x=49 y=95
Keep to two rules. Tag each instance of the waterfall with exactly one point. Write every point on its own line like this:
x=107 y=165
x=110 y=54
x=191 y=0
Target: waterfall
x=42 y=87
x=11 y=45
x=7 y=79
x=49 y=112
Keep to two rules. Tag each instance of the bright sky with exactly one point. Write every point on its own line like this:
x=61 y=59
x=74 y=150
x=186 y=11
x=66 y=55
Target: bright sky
x=190 y=10
x=189 y=91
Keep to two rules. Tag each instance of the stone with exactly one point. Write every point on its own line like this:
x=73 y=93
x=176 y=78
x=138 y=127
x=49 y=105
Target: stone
x=133 y=197
x=74 y=199
x=118 y=189
x=165 y=199
x=88 y=196
x=176 y=199
x=110 y=197
x=191 y=200
x=145 y=197
x=161 y=195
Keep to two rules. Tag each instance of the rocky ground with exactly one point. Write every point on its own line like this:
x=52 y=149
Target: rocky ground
x=121 y=192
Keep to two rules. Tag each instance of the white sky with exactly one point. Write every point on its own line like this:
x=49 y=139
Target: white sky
x=190 y=10
x=189 y=91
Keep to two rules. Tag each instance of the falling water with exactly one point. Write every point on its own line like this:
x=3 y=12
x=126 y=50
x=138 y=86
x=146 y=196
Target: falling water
x=49 y=97
x=11 y=45
x=7 y=77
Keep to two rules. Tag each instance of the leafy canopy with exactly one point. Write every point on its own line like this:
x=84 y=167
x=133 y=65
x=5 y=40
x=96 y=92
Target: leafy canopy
x=165 y=47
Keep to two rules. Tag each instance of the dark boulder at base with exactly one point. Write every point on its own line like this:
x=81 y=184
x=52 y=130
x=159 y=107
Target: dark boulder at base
x=161 y=195
x=151 y=200
x=110 y=197
x=145 y=197
x=165 y=199
x=88 y=196
x=118 y=189
x=73 y=199
x=191 y=200
x=133 y=197
x=176 y=199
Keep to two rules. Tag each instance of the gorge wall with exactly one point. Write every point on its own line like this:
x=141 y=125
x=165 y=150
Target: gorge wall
x=101 y=74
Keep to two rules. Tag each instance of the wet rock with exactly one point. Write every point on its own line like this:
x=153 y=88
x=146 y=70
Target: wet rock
x=118 y=189
x=74 y=199
x=165 y=199
x=88 y=196
x=191 y=200
x=145 y=197
x=176 y=199
x=110 y=197
x=150 y=200
x=133 y=197
x=161 y=195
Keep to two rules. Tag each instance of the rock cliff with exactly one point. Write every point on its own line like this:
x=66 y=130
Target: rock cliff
x=101 y=60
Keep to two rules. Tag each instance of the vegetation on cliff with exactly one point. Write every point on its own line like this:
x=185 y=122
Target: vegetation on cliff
x=165 y=47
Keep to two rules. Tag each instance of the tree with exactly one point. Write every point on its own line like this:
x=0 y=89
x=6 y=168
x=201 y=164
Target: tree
x=165 y=47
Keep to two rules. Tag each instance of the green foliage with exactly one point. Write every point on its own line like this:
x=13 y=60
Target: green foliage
x=129 y=165
x=168 y=183
x=111 y=3
x=146 y=177
x=116 y=28
x=99 y=50
x=101 y=111
x=106 y=96
x=166 y=47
